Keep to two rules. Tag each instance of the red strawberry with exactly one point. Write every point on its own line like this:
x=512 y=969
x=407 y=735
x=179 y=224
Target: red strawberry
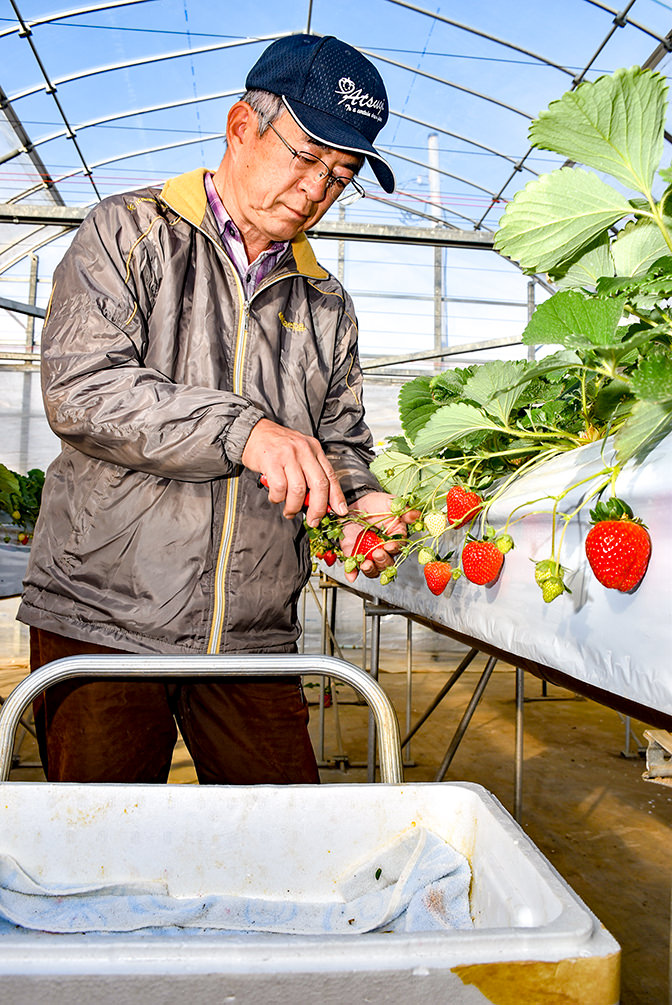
x=481 y=562
x=367 y=541
x=437 y=575
x=329 y=557
x=618 y=546
x=462 y=505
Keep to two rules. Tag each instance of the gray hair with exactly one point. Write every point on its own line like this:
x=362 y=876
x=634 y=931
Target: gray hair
x=267 y=106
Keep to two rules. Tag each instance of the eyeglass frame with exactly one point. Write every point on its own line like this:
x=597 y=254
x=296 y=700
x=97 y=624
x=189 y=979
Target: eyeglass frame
x=356 y=192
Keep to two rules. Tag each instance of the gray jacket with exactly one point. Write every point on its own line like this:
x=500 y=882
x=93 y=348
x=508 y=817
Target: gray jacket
x=152 y=537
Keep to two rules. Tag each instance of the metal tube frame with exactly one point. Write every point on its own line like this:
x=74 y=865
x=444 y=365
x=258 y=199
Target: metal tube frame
x=143 y=667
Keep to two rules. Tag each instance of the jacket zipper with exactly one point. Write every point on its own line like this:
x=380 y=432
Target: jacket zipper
x=217 y=623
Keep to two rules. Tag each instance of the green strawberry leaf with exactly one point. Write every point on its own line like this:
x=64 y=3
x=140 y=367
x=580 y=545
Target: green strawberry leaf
x=639 y=245
x=559 y=361
x=399 y=443
x=496 y=387
x=406 y=477
x=416 y=405
x=557 y=216
x=612 y=398
x=585 y=270
x=652 y=380
x=449 y=385
x=574 y=321
x=396 y=472
x=450 y=423
x=648 y=424
x=655 y=283
x=614 y=124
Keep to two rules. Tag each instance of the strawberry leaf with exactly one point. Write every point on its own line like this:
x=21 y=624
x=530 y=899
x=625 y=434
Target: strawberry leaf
x=656 y=282
x=450 y=423
x=560 y=361
x=574 y=321
x=583 y=272
x=556 y=216
x=403 y=476
x=614 y=124
x=648 y=424
x=416 y=406
x=496 y=387
x=638 y=247
x=449 y=385
x=652 y=380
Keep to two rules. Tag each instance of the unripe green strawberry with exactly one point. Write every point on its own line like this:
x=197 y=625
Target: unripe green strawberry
x=552 y=588
x=387 y=575
x=436 y=523
x=504 y=542
x=425 y=555
x=544 y=570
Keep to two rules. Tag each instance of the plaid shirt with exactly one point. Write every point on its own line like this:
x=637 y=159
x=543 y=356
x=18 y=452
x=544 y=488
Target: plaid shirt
x=251 y=273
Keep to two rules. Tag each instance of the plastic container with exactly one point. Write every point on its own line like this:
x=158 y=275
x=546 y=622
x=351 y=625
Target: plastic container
x=533 y=940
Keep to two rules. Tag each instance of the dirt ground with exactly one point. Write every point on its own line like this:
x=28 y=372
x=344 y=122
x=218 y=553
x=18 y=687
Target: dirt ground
x=584 y=803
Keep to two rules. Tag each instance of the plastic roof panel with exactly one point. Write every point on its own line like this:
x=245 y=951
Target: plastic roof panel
x=135 y=92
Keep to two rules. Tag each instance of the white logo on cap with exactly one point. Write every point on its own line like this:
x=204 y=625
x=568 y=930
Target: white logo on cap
x=359 y=101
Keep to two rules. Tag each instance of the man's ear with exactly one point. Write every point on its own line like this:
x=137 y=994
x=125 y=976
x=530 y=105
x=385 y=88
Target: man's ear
x=241 y=125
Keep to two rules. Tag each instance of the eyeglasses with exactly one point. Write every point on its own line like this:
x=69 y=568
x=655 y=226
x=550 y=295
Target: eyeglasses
x=343 y=190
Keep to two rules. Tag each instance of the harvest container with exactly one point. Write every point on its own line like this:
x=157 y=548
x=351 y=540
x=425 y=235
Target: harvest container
x=533 y=939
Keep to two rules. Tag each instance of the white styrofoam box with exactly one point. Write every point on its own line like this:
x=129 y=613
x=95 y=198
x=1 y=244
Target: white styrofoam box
x=264 y=841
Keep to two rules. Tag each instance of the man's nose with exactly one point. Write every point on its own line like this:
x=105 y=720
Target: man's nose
x=316 y=185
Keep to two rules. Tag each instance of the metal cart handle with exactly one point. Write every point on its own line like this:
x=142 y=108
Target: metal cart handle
x=207 y=666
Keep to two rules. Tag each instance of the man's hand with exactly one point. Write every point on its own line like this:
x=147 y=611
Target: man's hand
x=294 y=464
x=376 y=507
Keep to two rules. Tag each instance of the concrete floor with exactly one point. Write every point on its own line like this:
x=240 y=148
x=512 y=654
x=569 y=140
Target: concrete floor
x=585 y=804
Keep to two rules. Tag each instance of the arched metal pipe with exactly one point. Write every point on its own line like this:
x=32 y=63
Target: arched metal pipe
x=207 y=666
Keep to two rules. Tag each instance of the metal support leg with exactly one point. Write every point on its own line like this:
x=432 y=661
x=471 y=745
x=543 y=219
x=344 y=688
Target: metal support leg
x=466 y=718
x=454 y=677
x=406 y=752
x=373 y=671
x=518 y=776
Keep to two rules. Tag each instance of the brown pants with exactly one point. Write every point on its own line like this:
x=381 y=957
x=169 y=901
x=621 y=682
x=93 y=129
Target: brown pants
x=239 y=732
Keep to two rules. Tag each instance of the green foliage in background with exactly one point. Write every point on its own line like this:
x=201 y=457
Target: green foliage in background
x=20 y=497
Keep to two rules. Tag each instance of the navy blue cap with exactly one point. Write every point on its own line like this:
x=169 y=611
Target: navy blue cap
x=335 y=94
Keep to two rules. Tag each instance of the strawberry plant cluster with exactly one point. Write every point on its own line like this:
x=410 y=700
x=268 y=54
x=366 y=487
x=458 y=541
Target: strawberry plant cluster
x=20 y=497
x=602 y=366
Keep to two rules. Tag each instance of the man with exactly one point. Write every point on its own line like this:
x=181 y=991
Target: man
x=192 y=344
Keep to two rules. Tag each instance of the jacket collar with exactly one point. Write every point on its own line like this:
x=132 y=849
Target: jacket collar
x=187 y=196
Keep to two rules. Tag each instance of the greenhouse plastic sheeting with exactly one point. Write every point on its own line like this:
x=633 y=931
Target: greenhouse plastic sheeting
x=601 y=638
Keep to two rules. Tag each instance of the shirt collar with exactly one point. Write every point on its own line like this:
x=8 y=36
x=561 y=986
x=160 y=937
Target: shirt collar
x=228 y=229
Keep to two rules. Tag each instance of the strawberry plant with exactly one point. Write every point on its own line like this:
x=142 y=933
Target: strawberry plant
x=20 y=497
x=604 y=370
